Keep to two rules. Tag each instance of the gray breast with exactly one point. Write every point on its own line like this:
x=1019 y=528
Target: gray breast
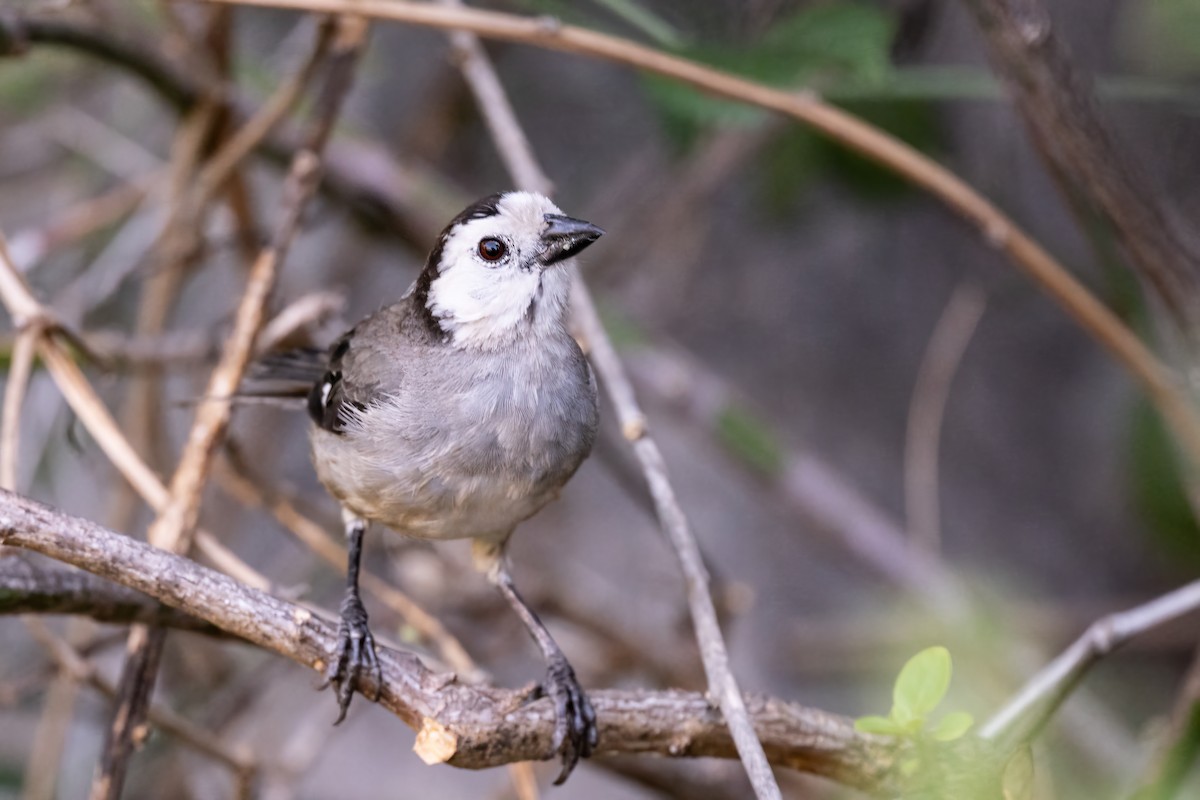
x=467 y=444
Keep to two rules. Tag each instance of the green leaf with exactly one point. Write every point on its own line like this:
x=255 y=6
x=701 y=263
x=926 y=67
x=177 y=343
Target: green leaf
x=921 y=685
x=1159 y=487
x=916 y=123
x=952 y=726
x=750 y=439
x=1161 y=36
x=880 y=725
x=828 y=45
x=1017 y=781
x=644 y=20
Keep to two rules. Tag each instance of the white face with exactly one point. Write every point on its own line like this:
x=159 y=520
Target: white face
x=492 y=286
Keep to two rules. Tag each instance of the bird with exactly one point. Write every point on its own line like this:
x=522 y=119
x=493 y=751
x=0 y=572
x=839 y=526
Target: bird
x=457 y=413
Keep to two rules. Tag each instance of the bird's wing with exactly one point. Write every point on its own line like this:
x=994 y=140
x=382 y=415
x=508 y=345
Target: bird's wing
x=336 y=384
x=365 y=365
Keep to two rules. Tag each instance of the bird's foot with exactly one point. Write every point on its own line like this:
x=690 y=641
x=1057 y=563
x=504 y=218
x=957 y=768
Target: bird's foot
x=354 y=656
x=575 y=733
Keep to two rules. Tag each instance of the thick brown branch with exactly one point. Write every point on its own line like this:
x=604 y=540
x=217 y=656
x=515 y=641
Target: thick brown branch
x=27 y=587
x=466 y=726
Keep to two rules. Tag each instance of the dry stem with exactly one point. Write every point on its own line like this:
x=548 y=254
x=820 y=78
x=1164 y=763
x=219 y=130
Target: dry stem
x=524 y=168
x=175 y=526
x=946 y=347
x=998 y=229
x=1028 y=712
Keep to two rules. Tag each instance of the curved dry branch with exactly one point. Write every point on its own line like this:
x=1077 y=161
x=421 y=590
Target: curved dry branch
x=398 y=210
x=997 y=228
x=175 y=525
x=465 y=726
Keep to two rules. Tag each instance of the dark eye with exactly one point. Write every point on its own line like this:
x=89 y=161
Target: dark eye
x=492 y=249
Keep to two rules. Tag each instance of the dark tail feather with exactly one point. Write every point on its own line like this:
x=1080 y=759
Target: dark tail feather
x=284 y=378
x=302 y=365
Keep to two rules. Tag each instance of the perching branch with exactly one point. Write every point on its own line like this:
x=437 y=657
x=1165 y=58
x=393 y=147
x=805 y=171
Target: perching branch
x=524 y=168
x=466 y=726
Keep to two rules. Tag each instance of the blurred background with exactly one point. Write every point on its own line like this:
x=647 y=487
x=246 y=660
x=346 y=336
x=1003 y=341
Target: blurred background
x=803 y=328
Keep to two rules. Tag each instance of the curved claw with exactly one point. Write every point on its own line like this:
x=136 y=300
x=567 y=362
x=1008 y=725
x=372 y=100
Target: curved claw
x=575 y=733
x=353 y=657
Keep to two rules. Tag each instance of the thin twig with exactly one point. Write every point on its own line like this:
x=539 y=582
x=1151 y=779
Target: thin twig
x=949 y=341
x=15 y=389
x=32 y=245
x=722 y=686
x=1175 y=750
x=47 y=744
x=46 y=748
x=226 y=160
x=199 y=739
x=396 y=199
x=83 y=400
x=524 y=780
x=1025 y=714
x=44 y=764
x=998 y=229
x=177 y=249
x=820 y=494
x=522 y=165
x=460 y=724
x=174 y=528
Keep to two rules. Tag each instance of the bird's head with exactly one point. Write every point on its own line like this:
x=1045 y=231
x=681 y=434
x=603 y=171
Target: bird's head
x=496 y=274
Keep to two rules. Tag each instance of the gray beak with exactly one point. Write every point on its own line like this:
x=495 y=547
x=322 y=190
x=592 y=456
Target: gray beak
x=565 y=237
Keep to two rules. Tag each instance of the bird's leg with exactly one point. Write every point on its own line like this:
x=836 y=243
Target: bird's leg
x=355 y=652
x=575 y=733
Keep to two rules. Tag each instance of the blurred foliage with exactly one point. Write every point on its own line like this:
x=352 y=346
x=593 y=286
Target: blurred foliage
x=33 y=87
x=840 y=49
x=644 y=20
x=750 y=439
x=1158 y=486
x=11 y=776
x=830 y=44
x=631 y=12
x=912 y=121
x=1017 y=780
x=1161 y=36
x=623 y=331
